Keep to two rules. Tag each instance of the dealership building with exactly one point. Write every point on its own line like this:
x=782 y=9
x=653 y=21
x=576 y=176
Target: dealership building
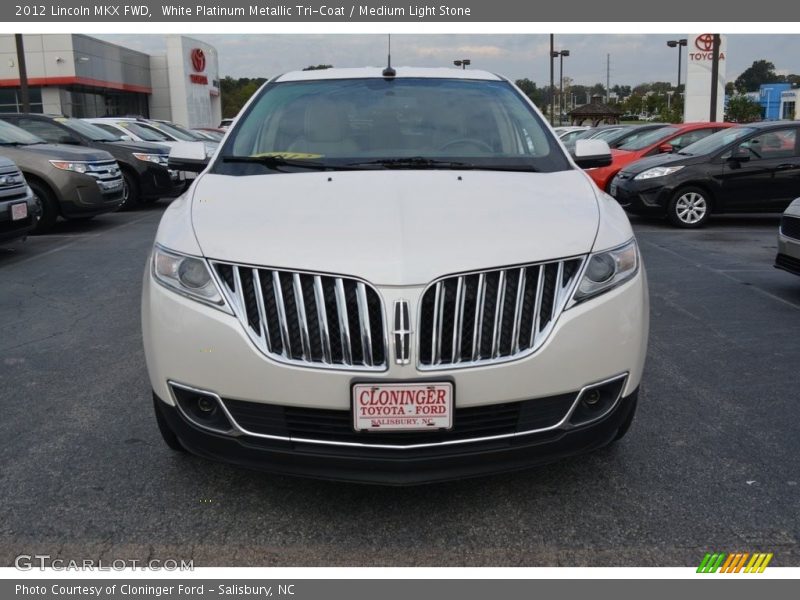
x=81 y=76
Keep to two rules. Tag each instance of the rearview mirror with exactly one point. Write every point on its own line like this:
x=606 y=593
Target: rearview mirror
x=591 y=154
x=188 y=156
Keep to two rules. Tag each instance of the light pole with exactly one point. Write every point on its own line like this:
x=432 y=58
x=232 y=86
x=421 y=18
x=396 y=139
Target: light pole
x=463 y=63
x=560 y=54
x=678 y=44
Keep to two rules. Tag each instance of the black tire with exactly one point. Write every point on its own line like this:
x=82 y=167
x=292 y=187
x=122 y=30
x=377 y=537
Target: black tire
x=48 y=206
x=626 y=424
x=169 y=437
x=131 y=197
x=689 y=208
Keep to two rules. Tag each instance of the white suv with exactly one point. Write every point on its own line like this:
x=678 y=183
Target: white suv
x=395 y=277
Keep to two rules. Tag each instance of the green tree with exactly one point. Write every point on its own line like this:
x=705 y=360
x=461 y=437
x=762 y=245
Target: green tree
x=761 y=71
x=742 y=110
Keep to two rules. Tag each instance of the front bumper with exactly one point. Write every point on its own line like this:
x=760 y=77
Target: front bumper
x=13 y=229
x=398 y=467
x=202 y=347
x=788 y=257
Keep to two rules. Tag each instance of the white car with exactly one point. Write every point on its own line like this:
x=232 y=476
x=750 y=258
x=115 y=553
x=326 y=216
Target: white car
x=394 y=277
x=788 y=257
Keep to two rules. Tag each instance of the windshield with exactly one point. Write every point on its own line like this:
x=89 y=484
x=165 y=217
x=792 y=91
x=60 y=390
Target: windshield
x=11 y=134
x=144 y=133
x=93 y=132
x=395 y=123
x=717 y=141
x=649 y=138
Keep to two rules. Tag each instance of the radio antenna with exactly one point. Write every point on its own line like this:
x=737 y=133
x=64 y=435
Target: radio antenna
x=389 y=71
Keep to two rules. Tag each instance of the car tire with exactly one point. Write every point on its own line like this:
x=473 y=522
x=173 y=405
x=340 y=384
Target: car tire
x=169 y=437
x=689 y=208
x=48 y=207
x=626 y=424
x=131 y=197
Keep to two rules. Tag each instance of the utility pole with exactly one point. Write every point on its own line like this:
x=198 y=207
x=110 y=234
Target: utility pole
x=608 y=76
x=552 y=117
x=23 y=74
x=714 y=77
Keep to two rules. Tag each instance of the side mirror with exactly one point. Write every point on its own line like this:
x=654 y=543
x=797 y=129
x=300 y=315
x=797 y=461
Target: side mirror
x=591 y=154
x=740 y=155
x=666 y=148
x=188 y=156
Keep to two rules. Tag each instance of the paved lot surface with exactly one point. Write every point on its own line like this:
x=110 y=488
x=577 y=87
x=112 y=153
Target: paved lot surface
x=710 y=464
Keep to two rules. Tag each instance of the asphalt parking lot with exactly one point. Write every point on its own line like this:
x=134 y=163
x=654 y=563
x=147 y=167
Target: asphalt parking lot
x=712 y=462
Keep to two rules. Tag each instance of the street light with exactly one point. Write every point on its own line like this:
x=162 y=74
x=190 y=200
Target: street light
x=678 y=44
x=463 y=63
x=560 y=54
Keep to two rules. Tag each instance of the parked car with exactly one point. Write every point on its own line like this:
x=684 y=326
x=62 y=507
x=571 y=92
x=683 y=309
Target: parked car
x=747 y=168
x=403 y=278
x=788 y=257
x=145 y=173
x=67 y=181
x=18 y=210
x=664 y=139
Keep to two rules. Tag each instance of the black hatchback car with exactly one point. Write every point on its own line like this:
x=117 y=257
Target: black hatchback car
x=747 y=168
x=144 y=165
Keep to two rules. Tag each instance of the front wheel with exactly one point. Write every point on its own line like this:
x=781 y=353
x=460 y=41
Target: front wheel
x=689 y=208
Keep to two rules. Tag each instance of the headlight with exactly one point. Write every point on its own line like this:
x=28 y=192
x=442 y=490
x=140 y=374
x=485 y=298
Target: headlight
x=65 y=165
x=657 y=172
x=186 y=275
x=159 y=159
x=606 y=270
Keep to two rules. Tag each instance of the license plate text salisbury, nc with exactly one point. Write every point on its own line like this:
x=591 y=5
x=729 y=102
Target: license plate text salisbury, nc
x=403 y=406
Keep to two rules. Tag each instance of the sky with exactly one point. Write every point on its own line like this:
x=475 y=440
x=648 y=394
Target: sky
x=634 y=58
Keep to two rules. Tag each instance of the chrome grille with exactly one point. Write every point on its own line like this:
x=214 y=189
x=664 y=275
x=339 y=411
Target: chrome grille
x=307 y=318
x=492 y=315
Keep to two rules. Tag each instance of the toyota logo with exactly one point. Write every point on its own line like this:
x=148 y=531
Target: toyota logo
x=705 y=42
x=198 y=60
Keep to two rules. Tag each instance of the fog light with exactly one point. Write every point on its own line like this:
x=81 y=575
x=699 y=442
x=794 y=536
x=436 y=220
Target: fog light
x=202 y=409
x=597 y=400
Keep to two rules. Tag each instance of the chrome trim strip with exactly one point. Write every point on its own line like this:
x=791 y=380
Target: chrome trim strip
x=262 y=311
x=480 y=297
x=364 y=323
x=515 y=331
x=562 y=424
x=322 y=319
x=300 y=305
x=498 y=314
x=344 y=321
x=278 y=291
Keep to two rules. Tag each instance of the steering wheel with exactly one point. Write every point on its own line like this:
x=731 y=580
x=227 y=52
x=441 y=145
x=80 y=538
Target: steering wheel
x=467 y=141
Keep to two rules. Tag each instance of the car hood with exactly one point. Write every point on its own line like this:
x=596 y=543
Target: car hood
x=143 y=147
x=394 y=227
x=660 y=160
x=64 y=152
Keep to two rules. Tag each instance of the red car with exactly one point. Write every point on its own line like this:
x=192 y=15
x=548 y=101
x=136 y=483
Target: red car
x=669 y=138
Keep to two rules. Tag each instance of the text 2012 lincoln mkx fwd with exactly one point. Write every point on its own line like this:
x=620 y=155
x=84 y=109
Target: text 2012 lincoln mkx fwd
x=393 y=276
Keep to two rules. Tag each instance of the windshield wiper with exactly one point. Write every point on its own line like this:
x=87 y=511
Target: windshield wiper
x=414 y=162
x=278 y=160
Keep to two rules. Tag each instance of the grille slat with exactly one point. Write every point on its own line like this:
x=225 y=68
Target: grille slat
x=307 y=318
x=493 y=315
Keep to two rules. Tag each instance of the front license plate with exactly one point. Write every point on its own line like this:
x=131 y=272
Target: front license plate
x=613 y=189
x=19 y=211
x=402 y=406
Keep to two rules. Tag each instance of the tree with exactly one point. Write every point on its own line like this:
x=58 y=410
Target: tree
x=743 y=110
x=318 y=67
x=761 y=71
